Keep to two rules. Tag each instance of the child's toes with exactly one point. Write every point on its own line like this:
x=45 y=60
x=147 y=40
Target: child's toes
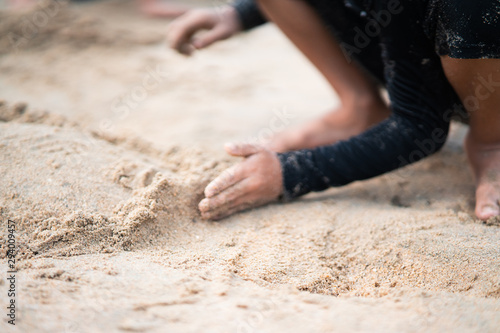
x=487 y=201
x=486 y=212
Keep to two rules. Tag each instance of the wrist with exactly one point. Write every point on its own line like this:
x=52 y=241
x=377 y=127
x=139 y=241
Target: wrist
x=232 y=17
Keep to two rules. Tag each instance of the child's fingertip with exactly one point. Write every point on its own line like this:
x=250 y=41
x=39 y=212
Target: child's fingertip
x=197 y=44
x=230 y=147
x=185 y=49
x=210 y=191
x=203 y=205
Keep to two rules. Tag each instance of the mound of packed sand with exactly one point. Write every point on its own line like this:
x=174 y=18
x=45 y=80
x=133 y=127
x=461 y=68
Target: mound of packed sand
x=73 y=193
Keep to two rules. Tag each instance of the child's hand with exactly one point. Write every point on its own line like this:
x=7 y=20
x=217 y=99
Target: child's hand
x=221 y=24
x=254 y=182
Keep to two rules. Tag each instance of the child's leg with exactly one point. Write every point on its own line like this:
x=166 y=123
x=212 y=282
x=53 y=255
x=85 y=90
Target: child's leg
x=477 y=82
x=361 y=104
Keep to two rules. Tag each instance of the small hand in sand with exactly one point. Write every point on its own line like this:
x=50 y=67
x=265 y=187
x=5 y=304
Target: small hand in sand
x=220 y=23
x=254 y=182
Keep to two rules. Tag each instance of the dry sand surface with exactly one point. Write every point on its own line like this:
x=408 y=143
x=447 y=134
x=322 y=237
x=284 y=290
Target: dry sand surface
x=106 y=141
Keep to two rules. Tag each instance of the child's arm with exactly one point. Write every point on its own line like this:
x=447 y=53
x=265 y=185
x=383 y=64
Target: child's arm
x=263 y=175
x=400 y=140
x=417 y=128
x=410 y=134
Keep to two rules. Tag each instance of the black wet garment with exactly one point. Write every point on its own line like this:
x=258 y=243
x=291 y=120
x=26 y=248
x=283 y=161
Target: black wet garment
x=465 y=29
x=249 y=13
x=399 y=43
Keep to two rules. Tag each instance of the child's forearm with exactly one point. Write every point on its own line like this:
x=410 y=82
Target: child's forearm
x=249 y=14
x=394 y=143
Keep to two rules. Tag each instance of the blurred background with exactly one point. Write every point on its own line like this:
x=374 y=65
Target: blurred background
x=106 y=65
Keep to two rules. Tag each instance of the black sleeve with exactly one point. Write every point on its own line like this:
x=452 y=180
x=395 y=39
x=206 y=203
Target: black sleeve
x=396 y=142
x=249 y=13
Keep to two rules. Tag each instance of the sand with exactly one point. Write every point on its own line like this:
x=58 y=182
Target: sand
x=107 y=140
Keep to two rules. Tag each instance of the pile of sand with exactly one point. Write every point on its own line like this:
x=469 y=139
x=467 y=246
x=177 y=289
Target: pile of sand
x=71 y=192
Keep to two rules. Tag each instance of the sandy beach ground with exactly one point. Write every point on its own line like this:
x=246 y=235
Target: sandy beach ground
x=107 y=139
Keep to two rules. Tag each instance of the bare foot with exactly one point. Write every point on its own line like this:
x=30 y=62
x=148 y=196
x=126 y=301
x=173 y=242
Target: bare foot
x=351 y=119
x=485 y=162
x=159 y=8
